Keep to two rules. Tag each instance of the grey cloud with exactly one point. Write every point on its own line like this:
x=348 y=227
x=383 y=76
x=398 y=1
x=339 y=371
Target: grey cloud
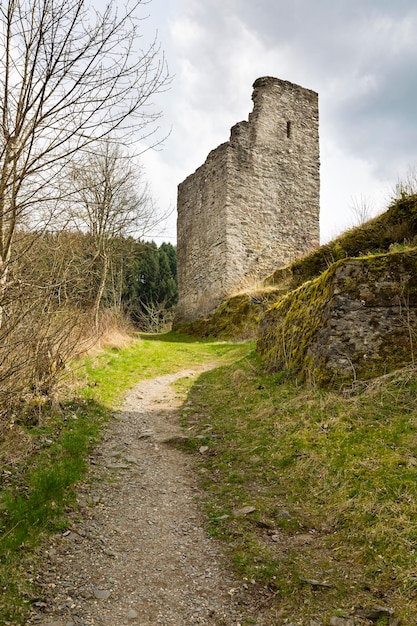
x=382 y=126
x=352 y=52
x=346 y=41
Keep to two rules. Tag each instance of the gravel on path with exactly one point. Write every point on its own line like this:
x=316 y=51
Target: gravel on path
x=137 y=551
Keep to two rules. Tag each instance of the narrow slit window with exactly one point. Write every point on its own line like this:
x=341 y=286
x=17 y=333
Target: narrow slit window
x=288 y=130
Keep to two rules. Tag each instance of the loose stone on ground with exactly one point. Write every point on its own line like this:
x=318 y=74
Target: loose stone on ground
x=137 y=551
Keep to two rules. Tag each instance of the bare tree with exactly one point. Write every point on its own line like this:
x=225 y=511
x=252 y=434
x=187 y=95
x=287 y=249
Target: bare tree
x=362 y=210
x=154 y=317
x=68 y=77
x=109 y=200
x=406 y=186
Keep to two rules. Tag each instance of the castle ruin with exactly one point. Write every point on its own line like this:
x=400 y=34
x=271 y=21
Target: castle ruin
x=254 y=204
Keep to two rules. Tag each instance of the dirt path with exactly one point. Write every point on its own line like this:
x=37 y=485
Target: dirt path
x=137 y=552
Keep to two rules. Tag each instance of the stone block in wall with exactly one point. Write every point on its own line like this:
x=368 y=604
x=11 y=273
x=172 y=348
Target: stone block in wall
x=355 y=321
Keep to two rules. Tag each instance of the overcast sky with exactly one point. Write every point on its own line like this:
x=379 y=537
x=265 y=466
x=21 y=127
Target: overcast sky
x=359 y=55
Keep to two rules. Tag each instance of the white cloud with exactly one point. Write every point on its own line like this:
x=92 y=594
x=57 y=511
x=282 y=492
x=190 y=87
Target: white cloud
x=346 y=180
x=360 y=57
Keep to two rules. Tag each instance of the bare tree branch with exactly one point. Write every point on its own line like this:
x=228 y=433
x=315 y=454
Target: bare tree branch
x=69 y=76
x=109 y=200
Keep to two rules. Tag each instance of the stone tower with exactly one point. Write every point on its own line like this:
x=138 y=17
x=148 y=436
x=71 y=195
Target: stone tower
x=254 y=204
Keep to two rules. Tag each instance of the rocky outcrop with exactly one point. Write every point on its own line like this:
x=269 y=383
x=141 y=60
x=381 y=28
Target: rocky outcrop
x=355 y=321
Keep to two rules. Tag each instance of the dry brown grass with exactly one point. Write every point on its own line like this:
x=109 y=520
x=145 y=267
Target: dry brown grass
x=46 y=359
x=254 y=286
x=15 y=445
x=113 y=331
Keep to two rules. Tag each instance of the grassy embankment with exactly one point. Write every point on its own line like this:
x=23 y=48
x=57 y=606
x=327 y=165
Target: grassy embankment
x=42 y=464
x=315 y=494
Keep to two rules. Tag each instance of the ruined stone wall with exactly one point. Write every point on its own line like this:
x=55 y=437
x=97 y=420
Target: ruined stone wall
x=371 y=321
x=356 y=321
x=254 y=204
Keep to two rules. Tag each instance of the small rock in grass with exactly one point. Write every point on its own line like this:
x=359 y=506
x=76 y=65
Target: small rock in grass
x=341 y=621
x=379 y=612
x=316 y=583
x=176 y=439
x=245 y=510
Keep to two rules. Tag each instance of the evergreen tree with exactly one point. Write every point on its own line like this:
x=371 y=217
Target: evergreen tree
x=150 y=282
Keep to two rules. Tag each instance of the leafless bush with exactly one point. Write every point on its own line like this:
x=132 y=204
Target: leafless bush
x=407 y=186
x=45 y=320
x=362 y=210
x=36 y=343
x=154 y=317
x=114 y=330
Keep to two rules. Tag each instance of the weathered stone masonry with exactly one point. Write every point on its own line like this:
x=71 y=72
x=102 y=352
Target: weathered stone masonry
x=254 y=204
x=356 y=321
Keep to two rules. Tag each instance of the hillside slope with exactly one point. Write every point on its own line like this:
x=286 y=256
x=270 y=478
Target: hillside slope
x=345 y=311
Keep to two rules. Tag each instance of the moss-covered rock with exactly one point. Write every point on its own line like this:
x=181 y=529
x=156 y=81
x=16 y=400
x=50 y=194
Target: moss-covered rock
x=358 y=319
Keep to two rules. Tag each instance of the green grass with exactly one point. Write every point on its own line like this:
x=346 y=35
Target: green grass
x=34 y=501
x=39 y=488
x=108 y=375
x=333 y=480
